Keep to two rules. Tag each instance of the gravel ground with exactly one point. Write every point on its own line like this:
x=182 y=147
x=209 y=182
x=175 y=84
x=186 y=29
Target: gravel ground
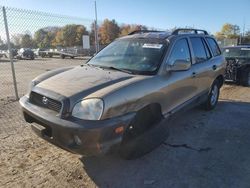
x=205 y=149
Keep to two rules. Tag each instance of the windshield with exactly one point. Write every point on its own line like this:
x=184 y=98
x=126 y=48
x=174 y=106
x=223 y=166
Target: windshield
x=237 y=52
x=136 y=55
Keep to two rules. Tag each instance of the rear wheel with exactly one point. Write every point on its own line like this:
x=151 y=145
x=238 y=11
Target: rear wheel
x=246 y=77
x=213 y=96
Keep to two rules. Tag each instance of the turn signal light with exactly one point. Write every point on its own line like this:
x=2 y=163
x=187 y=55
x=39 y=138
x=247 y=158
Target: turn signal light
x=119 y=130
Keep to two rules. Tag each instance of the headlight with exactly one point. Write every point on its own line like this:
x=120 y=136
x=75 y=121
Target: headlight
x=88 y=109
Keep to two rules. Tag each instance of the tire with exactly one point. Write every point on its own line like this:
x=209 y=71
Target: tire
x=143 y=137
x=213 y=96
x=144 y=143
x=62 y=56
x=246 y=77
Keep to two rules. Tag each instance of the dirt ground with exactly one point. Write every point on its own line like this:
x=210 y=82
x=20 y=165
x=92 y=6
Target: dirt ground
x=204 y=149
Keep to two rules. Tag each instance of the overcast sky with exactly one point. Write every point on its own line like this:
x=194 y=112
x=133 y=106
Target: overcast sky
x=162 y=14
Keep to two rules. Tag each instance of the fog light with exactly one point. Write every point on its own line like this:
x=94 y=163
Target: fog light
x=77 y=140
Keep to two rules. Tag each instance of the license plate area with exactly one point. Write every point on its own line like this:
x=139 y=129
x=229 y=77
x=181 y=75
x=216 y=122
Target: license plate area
x=41 y=130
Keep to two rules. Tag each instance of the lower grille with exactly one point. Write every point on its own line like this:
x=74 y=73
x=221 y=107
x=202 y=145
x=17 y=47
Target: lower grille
x=45 y=102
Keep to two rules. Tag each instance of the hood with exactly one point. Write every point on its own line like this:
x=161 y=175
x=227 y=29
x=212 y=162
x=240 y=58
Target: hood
x=82 y=80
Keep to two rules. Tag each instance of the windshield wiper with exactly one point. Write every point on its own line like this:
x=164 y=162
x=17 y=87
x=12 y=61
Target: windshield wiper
x=118 y=69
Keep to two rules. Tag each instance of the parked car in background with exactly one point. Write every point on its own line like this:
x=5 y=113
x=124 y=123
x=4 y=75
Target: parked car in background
x=121 y=96
x=25 y=53
x=13 y=51
x=238 y=64
x=2 y=54
x=43 y=52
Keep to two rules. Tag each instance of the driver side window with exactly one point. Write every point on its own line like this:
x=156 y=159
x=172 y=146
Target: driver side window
x=180 y=52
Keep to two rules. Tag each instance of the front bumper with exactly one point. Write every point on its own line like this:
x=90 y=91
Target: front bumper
x=83 y=137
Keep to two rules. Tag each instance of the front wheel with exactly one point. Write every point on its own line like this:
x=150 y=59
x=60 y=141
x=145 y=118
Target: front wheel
x=146 y=132
x=213 y=96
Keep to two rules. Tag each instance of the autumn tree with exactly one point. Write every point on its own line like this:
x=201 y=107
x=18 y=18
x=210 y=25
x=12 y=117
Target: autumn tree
x=70 y=35
x=128 y=28
x=228 y=31
x=108 y=31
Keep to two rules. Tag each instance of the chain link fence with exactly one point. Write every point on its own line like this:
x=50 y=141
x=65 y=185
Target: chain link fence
x=37 y=42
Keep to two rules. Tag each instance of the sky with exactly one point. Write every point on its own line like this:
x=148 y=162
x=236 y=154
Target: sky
x=160 y=14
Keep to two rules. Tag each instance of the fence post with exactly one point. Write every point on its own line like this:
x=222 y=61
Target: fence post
x=10 y=53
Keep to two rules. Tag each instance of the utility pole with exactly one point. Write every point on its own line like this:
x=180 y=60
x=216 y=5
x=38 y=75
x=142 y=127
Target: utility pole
x=96 y=32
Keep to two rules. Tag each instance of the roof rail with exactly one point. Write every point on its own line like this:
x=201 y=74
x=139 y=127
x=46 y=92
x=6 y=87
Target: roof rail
x=144 y=31
x=176 y=32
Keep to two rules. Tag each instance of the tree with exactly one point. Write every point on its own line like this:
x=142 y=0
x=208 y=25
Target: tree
x=108 y=31
x=228 y=31
x=70 y=35
x=16 y=39
x=44 y=37
x=26 y=41
x=128 y=28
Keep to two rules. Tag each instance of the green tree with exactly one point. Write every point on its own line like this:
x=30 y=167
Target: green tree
x=43 y=38
x=70 y=35
x=108 y=31
x=26 y=41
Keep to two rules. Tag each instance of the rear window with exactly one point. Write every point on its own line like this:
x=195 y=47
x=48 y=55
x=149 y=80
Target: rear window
x=214 y=46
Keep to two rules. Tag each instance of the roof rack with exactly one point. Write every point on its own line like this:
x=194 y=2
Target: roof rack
x=144 y=31
x=196 y=31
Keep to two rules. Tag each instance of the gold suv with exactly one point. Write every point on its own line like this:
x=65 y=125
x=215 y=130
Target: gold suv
x=121 y=95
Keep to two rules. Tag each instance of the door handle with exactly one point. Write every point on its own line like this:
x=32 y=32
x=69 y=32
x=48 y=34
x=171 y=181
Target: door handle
x=214 y=67
x=194 y=74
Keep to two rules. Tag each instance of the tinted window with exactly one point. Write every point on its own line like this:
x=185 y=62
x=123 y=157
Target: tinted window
x=180 y=51
x=214 y=46
x=199 y=49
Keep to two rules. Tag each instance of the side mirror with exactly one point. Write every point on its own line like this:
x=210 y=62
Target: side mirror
x=180 y=65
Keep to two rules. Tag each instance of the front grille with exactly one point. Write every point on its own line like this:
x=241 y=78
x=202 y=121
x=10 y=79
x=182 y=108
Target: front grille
x=45 y=102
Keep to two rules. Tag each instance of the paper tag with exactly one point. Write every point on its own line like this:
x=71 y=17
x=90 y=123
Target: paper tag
x=155 y=46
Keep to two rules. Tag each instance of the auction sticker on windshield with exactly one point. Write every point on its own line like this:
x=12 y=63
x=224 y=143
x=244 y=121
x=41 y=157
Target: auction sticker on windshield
x=155 y=46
